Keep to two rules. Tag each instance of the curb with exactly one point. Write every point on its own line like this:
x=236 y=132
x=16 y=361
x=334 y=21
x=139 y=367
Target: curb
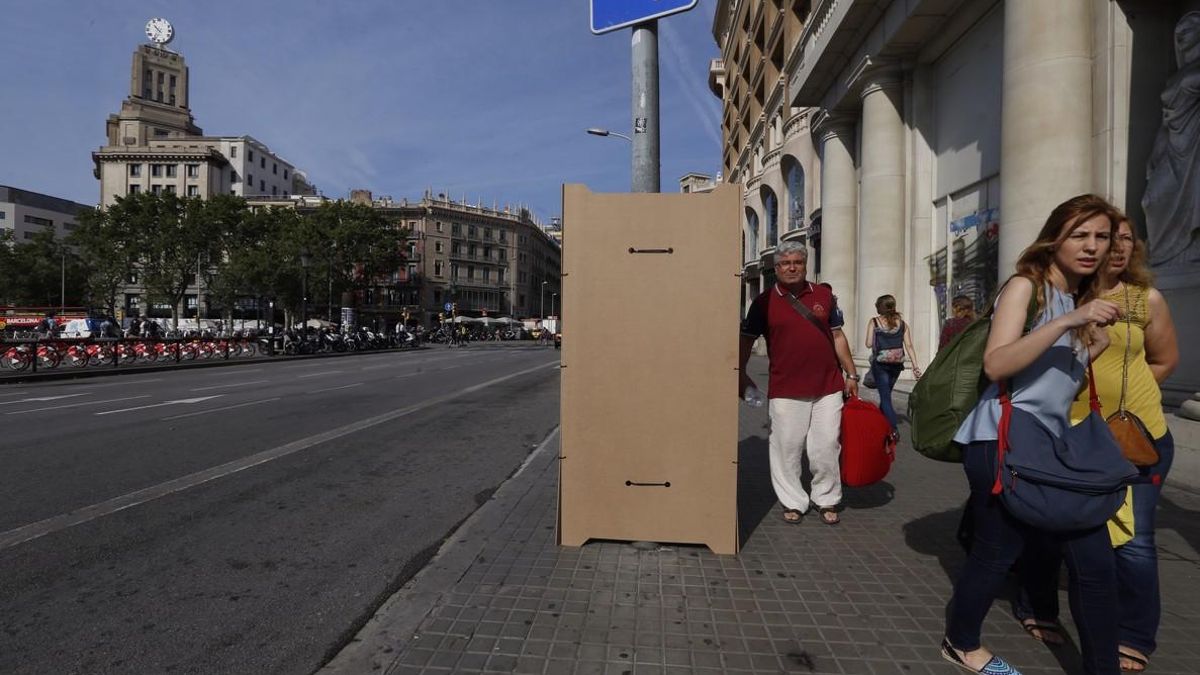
x=392 y=627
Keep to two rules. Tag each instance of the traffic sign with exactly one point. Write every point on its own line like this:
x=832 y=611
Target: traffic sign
x=447 y=306
x=610 y=15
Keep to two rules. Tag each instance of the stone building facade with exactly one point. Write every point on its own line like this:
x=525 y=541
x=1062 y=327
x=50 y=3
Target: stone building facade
x=936 y=136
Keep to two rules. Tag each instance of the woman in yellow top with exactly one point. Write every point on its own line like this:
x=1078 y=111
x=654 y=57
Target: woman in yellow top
x=1143 y=345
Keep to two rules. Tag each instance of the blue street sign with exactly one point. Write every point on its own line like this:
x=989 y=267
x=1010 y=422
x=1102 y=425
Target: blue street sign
x=610 y=15
x=447 y=306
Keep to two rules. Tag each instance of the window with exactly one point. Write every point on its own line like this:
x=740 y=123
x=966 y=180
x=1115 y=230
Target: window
x=133 y=301
x=504 y=254
x=473 y=232
x=34 y=220
x=156 y=189
x=470 y=271
x=275 y=189
x=487 y=252
x=193 y=190
x=3 y=215
x=274 y=168
x=503 y=236
x=170 y=189
x=456 y=229
x=439 y=225
x=487 y=233
x=285 y=174
x=262 y=162
x=455 y=248
x=134 y=189
x=233 y=152
x=132 y=278
x=453 y=271
x=250 y=180
x=28 y=234
x=500 y=274
x=234 y=177
x=161 y=133
x=156 y=170
x=135 y=170
x=437 y=247
x=471 y=250
x=249 y=155
x=262 y=185
x=172 y=170
x=193 y=170
x=437 y=268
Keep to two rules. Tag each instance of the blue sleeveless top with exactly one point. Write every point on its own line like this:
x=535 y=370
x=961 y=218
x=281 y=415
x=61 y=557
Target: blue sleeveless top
x=1045 y=388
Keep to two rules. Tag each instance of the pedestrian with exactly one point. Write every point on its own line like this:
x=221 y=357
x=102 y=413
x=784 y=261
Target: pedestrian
x=1044 y=368
x=48 y=326
x=1144 y=352
x=963 y=308
x=889 y=340
x=808 y=354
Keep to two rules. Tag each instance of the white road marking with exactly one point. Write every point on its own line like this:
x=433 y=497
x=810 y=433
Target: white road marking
x=328 y=372
x=344 y=386
x=45 y=398
x=86 y=514
x=188 y=401
x=231 y=384
x=213 y=410
x=399 y=377
x=236 y=371
x=76 y=405
x=126 y=383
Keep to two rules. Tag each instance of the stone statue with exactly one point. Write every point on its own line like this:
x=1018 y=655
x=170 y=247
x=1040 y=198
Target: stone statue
x=1172 y=199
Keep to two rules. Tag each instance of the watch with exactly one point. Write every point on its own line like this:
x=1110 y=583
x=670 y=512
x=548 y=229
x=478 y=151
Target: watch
x=853 y=377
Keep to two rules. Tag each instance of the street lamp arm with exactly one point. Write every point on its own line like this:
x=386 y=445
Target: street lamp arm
x=596 y=131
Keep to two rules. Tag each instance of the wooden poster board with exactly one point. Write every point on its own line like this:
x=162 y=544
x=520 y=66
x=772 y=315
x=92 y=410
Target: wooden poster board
x=649 y=380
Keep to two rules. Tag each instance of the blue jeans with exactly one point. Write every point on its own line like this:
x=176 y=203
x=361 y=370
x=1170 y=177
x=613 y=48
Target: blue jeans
x=885 y=375
x=1137 y=566
x=999 y=540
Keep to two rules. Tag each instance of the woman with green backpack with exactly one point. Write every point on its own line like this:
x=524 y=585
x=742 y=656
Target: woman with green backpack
x=1038 y=372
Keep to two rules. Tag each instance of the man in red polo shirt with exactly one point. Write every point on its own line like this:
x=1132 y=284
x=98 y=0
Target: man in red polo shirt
x=807 y=357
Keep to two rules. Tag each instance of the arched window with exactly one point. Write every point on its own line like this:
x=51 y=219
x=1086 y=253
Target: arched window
x=751 y=234
x=795 y=188
x=771 y=209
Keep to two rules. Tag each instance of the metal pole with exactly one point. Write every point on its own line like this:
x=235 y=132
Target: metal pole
x=645 y=108
x=62 y=287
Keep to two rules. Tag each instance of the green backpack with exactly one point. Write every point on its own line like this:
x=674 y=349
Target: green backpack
x=949 y=389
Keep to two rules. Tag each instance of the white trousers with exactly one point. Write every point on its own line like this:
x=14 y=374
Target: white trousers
x=809 y=426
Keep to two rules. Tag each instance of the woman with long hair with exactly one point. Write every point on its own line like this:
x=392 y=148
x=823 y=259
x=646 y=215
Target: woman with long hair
x=1144 y=352
x=889 y=340
x=1044 y=368
x=963 y=309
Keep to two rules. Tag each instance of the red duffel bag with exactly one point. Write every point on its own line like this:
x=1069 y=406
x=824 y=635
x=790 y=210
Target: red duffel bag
x=867 y=446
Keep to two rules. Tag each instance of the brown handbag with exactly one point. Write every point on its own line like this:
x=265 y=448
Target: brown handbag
x=1129 y=430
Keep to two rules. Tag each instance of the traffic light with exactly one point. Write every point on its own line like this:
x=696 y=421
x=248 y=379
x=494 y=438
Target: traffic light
x=454 y=308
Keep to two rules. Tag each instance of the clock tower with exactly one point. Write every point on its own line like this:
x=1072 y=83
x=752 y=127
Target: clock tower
x=157 y=105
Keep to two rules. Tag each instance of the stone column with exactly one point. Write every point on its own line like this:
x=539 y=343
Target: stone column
x=882 y=245
x=1046 y=123
x=839 y=214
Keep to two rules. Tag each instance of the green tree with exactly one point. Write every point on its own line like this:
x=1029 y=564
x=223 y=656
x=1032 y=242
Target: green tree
x=355 y=245
x=108 y=250
x=40 y=271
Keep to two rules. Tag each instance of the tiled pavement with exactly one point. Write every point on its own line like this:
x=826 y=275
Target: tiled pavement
x=867 y=596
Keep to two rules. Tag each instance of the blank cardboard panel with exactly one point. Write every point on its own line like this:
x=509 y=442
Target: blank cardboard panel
x=649 y=381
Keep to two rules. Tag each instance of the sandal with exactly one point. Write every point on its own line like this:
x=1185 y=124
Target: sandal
x=829 y=515
x=1137 y=664
x=1050 y=633
x=995 y=666
x=792 y=516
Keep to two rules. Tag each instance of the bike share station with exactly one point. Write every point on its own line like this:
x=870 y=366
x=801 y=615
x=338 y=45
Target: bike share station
x=649 y=420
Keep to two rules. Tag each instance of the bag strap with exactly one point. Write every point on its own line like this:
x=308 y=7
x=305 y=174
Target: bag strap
x=1006 y=408
x=807 y=314
x=1125 y=358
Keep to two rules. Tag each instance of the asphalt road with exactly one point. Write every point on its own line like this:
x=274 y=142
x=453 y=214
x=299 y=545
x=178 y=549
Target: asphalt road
x=244 y=519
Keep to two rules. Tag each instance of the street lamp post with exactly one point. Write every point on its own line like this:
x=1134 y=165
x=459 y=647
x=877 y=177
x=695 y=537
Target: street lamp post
x=305 y=259
x=596 y=131
x=553 y=299
x=542 y=304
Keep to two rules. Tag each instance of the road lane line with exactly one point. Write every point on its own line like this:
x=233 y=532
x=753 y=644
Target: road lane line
x=236 y=371
x=231 y=384
x=39 y=399
x=86 y=514
x=198 y=399
x=400 y=377
x=124 y=383
x=328 y=372
x=344 y=386
x=213 y=410
x=76 y=405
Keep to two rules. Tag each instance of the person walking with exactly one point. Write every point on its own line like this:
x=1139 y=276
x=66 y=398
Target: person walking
x=1057 y=275
x=808 y=354
x=1144 y=352
x=889 y=340
x=963 y=308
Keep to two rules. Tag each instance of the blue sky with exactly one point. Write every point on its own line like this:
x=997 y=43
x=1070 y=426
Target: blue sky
x=486 y=99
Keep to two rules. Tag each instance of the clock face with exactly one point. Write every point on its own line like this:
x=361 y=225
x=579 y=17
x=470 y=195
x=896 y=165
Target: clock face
x=159 y=30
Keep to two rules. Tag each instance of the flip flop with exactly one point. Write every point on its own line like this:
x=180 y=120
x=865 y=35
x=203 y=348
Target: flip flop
x=797 y=516
x=1139 y=662
x=1052 y=633
x=826 y=512
x=995 y=666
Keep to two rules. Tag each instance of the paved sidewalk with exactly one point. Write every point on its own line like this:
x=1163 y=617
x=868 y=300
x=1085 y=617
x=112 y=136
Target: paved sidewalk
x=867 y=596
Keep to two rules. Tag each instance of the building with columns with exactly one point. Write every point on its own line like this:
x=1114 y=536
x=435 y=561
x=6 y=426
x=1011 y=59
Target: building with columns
x=933 y=137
